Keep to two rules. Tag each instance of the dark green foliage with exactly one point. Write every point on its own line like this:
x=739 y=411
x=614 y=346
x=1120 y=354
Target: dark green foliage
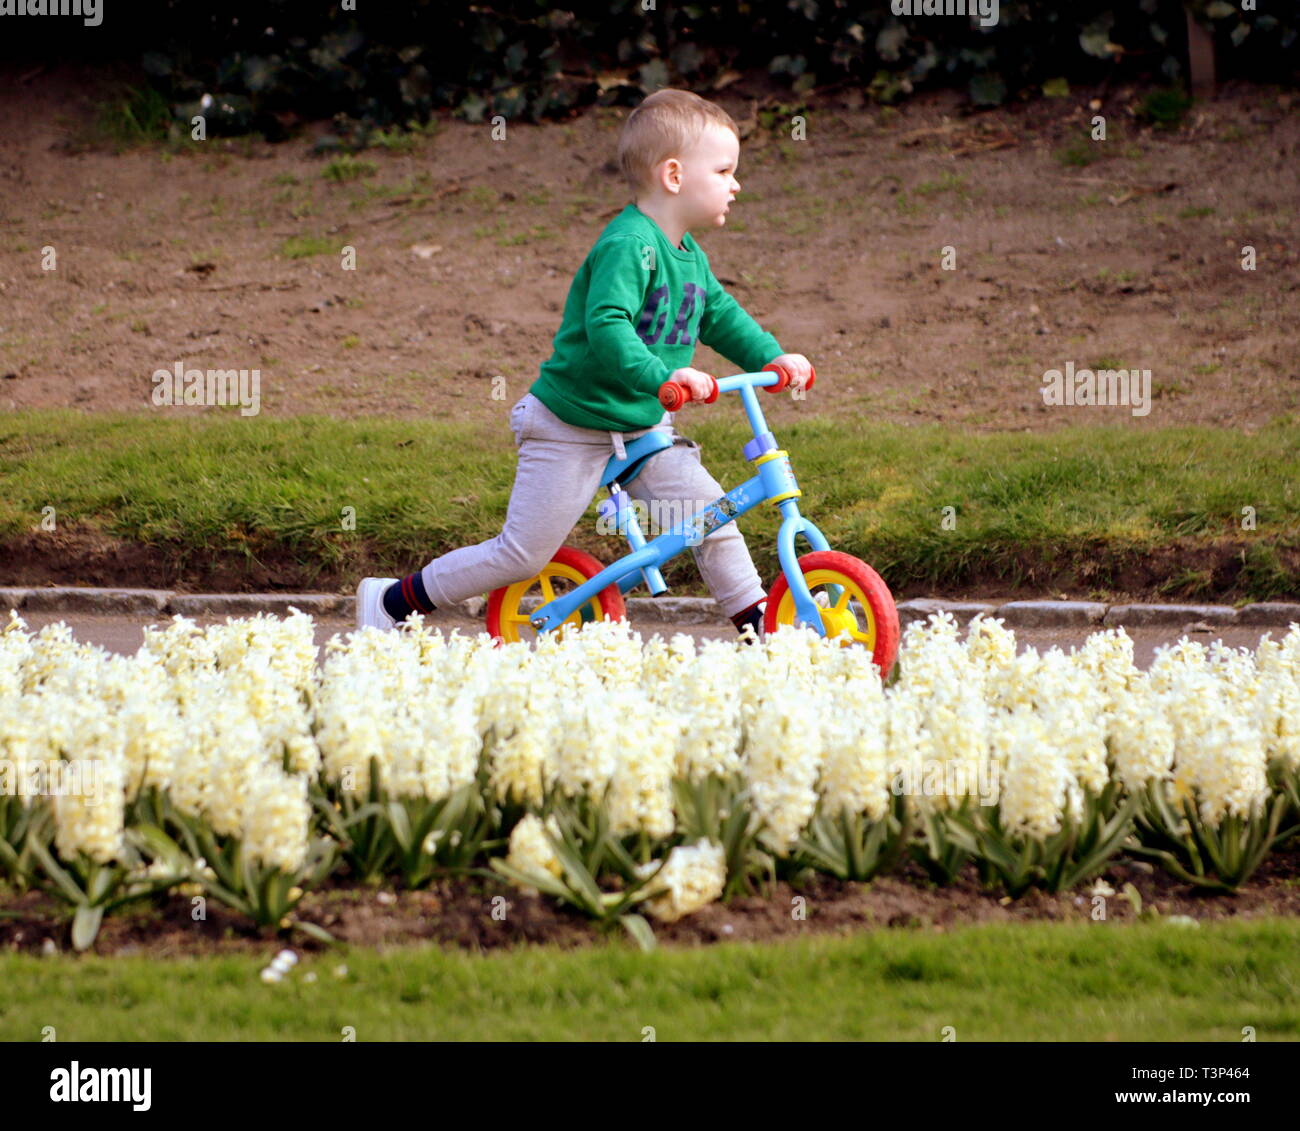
x=269 y=65
x=135 y=114
x=1165 y=109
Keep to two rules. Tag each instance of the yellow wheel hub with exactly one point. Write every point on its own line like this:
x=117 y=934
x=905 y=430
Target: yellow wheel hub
x=515 y=622
x=839 y=618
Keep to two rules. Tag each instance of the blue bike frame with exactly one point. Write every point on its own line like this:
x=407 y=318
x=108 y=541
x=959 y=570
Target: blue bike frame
x=775 y=481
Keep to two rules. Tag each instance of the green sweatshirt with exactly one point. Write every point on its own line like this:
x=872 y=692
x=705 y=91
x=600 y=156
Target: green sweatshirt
x=635 y=310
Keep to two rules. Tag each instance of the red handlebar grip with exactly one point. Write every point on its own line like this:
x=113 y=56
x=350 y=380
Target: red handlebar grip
x=672 y=395
x=782 y=372
x=785 y=377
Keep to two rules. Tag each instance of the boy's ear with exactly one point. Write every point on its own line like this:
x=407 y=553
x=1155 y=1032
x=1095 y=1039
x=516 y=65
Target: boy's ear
x=671 y=175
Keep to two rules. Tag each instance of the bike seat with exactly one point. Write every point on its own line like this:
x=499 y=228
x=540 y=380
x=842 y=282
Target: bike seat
x=638 y=451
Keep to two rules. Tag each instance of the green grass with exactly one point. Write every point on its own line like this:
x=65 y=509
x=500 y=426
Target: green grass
x=1023 y=982
x=1079 y=154
x=300 y=247
x=1104 y=274
x=395 y=140
x=1051 y=501
x=947 y=182
x=134 y=115
x=348 y=168
x=1165 y=109
x=535 y=232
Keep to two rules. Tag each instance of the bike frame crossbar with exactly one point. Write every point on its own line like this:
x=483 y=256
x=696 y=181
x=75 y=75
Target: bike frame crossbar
x=775 y=478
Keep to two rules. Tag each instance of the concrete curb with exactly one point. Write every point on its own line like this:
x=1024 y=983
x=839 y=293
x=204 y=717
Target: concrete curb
x=663 y=610
x=250 y=604
x=1142 y=616
x=68 y=599
x=1269 y=612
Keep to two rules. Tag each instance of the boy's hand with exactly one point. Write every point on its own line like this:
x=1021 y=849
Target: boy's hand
x=699 y=382
x=798 y=366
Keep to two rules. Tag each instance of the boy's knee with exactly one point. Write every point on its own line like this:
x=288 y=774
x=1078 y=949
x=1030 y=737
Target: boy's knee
x=524 y=561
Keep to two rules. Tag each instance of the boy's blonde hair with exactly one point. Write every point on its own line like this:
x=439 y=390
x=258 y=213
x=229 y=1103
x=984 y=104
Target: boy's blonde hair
x=665 y=125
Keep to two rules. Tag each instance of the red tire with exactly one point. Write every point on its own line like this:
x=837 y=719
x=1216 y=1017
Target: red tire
x=874 y=624
x=507 y=622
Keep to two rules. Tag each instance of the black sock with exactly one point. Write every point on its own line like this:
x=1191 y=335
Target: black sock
x=752 y=616
x=407 y=596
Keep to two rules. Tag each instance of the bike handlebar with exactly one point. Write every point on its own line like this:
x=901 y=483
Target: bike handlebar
x=672 y=394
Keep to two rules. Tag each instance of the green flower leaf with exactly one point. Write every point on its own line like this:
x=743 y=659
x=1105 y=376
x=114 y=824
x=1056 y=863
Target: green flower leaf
x=85 y=926
x=639 y=929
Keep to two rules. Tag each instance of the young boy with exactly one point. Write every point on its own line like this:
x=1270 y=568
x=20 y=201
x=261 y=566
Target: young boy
x=638 y=303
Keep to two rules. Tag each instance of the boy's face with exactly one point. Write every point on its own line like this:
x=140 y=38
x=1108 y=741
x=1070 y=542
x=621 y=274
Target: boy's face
x=706 y=174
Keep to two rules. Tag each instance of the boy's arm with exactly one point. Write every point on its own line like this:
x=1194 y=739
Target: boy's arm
x=615 y=294
x=728 y=328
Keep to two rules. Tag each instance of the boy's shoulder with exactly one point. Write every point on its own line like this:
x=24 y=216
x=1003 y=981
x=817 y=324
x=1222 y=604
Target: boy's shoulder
x=633 y=224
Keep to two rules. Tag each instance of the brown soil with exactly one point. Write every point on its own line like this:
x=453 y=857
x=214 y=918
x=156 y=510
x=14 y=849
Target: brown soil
x=458 y=913
x=466 y=247
x=77 y=554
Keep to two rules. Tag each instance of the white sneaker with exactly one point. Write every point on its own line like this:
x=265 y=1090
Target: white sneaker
x=370 y=603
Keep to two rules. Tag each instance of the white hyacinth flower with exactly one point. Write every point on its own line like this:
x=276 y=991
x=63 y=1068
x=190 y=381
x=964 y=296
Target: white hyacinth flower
x=692 y=877
x=531 y=852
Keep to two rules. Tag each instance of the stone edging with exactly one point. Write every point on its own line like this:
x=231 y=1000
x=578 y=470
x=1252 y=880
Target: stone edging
x=664 y=610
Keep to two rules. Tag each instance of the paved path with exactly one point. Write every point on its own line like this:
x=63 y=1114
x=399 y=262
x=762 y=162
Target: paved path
x=123 y=634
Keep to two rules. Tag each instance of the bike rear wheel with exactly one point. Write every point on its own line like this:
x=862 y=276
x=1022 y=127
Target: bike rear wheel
x=856 y=605
x=507 y=620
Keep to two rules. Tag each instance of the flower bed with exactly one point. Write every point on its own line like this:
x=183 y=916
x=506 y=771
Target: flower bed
x=634 y=780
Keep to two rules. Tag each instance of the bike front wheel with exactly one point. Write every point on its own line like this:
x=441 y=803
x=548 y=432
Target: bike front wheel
x=508 y=621
x=856 y=605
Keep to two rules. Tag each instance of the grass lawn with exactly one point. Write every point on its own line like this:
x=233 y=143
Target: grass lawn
x=1093 y=501
x=1152 y=981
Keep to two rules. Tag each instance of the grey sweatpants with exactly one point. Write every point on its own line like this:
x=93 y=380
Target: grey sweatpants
x=557 y=477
